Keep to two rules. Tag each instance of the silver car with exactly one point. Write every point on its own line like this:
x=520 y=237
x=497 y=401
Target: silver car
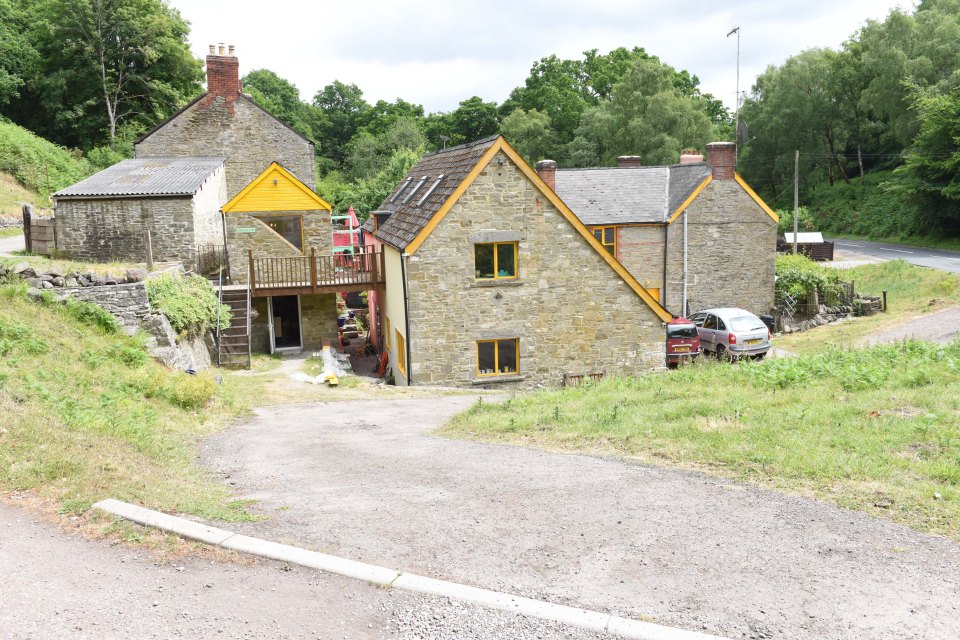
x=732 y=333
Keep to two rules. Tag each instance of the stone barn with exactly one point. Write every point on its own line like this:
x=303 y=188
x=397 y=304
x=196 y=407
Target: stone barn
x=106 y=216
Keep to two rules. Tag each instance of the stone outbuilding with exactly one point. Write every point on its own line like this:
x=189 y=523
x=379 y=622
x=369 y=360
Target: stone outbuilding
x=105 y=217
x=492 y=280
x=216 y=146
x=694 y=234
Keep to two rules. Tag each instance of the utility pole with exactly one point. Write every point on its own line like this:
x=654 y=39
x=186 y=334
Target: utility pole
x=796 y=196
x=736 y=127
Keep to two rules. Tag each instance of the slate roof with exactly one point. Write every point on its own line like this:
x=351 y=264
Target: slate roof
x=408 y=218
x=145 y=177
x=615 y=195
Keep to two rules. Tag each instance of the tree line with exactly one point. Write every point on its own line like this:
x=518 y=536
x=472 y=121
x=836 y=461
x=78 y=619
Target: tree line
x=877 y=124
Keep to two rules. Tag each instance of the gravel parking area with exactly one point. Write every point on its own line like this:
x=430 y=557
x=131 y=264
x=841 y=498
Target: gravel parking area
x=364 y=479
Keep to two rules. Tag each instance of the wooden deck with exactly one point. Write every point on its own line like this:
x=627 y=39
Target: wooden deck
x=314 y=274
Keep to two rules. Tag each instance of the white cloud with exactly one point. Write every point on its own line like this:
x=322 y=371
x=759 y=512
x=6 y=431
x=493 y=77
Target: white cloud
x=438 y=53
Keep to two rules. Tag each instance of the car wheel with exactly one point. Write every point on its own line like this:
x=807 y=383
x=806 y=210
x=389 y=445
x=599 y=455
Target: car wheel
x=759 y=356
x=721 y=353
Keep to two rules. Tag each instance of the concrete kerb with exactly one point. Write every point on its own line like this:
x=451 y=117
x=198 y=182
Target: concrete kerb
x=573 y=616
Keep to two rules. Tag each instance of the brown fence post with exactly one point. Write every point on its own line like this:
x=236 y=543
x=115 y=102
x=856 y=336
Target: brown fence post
x=27 y=234
x=313 y=269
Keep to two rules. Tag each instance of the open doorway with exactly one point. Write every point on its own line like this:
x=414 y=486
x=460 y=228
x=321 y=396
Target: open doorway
x=285 y=330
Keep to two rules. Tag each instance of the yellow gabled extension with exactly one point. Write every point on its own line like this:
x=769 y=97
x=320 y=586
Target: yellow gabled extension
x=276 y=189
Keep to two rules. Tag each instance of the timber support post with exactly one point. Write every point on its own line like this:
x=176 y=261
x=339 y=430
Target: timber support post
x=313 y=270
x=250 y=274
x=27 y=234
x=148 y=244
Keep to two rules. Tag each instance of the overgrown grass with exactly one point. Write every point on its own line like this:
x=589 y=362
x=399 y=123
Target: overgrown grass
x=37 y=164
x=911 y=291
x=876 y=430
x=10 y=232
x=13 y=194
x=87 y=415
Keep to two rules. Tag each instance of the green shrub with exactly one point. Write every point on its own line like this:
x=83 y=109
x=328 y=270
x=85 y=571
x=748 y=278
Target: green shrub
x=86 y=312
x=190 y=392
x=866 y=207
x=15 y=336
x=133 y=356
x=799 y=276
x=190 y=303
x=805 y=220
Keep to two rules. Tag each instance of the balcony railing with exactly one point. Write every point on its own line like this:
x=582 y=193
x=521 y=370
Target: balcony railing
x=316 y=274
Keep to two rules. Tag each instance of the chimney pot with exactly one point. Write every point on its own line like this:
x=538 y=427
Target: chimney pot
x=629 y=162
x=547 y=170
x=232 y=50
x=221 y=49
x=223 y=75
x=722 y=159
x=213 y=49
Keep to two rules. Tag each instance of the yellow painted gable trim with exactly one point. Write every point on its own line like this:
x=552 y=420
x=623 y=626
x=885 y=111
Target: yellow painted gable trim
x=756 y=198
x=295 y=195
x=686 y=203
x=452 y=200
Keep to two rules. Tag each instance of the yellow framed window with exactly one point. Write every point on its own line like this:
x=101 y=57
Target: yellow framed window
x=495 y=260
x=607 y=236
x=401 y=353
x=498 y=357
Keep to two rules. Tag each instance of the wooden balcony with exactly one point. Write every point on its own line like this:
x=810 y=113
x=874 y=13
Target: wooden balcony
x=314 y=274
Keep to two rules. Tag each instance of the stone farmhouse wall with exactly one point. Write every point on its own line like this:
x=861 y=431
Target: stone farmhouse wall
x=571 y=312
x=640 y=250
x=246 y=135
x=731 y=258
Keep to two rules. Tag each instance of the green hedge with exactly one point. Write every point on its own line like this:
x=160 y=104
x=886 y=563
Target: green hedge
x=799 y=276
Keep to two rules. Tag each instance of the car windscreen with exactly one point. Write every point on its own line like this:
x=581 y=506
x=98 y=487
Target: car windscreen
x=746 y=323
x=681 y=331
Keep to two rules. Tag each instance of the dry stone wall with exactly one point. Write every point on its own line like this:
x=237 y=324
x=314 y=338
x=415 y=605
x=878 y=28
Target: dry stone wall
x=571 y=312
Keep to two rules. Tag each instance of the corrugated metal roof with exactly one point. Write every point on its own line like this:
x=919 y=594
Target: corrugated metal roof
x=146 y=177
x=622 y=195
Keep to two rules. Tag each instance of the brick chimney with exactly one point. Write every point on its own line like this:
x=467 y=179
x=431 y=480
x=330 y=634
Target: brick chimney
x=690 y=156
x=223 y=73
x=547 y=170
x=629 y=162
x=722 y=159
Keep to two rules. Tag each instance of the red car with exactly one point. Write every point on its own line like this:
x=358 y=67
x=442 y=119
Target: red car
x=683 y=342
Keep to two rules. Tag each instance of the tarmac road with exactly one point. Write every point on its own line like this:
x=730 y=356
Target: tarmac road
x=934 y=258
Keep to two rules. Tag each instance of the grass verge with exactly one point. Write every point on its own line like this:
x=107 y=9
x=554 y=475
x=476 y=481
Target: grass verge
x=10 y=232
x=89 y=415
x=877 y=429
x=45 y=263
x=911 y=291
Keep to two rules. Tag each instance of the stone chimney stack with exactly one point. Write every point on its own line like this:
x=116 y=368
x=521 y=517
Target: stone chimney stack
x=547 y=170
x=722 y=159
x=223 y=72
x=690 y=156
x=629 y=162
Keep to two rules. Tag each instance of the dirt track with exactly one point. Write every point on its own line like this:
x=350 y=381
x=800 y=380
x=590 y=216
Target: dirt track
x=365 y=480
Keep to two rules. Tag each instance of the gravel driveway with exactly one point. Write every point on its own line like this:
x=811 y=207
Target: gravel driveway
x=58 y=586
x=942 y=326
x=364 y=479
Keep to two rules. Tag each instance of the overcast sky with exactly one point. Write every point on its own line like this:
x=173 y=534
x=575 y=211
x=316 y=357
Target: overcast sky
x=438 y=53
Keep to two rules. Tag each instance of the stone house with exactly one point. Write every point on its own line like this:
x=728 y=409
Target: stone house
x=694 y=234
x=280 y=226
x=104 y=217
x=222 y=126
x=492 y=280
